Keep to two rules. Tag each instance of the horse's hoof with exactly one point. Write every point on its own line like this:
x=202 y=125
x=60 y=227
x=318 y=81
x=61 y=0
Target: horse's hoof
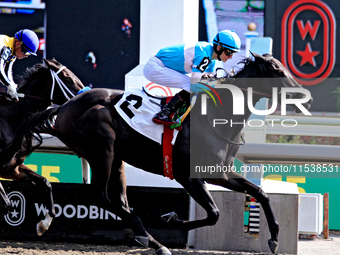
x=168 y=216
x=44 y=224
x=41 y=228
x=273 y=245
x=142 y=240
x=163 y=251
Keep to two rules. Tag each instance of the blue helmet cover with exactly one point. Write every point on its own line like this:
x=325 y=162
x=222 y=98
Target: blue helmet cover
x=228 y=39
x=29 y=39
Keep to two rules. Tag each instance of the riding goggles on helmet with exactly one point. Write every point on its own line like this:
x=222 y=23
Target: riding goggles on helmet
x=24 y=49
x=229 y=52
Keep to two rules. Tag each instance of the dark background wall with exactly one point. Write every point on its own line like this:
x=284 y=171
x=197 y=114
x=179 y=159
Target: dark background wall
x=74 y=28
x=77 y=27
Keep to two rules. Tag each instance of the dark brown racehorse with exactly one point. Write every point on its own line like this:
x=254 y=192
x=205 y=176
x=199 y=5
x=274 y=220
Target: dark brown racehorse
x=91 y=127
x=41 y=85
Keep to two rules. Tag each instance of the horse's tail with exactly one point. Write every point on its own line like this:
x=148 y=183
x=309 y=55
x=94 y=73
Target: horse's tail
x=22 y=144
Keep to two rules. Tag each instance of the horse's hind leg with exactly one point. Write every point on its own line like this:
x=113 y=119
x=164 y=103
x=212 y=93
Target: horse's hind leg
x=117 y=194
x=200 y=193
x=238 y=183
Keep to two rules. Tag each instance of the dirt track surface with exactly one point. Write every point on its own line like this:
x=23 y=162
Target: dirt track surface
x=39 y=248
x=319 y=246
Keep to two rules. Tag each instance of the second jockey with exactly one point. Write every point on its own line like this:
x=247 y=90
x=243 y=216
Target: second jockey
x=172 y=65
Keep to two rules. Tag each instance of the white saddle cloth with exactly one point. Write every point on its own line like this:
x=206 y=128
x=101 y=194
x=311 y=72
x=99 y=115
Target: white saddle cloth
x=137 y=108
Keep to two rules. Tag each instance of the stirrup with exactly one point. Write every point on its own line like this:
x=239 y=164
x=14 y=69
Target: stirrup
x=163 y=122
x=178 y=125
x=171 y=125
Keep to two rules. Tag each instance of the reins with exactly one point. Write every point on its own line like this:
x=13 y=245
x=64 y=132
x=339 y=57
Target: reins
x=61 y=84
x=242 y=138
x=224 y=138
x=258 y=93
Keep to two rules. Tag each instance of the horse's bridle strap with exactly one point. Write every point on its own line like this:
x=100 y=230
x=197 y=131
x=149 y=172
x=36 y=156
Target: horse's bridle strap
x=258 y=93
x=62 y=86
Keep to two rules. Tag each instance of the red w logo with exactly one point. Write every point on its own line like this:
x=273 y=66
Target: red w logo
x=304 y=30
x=310 y=59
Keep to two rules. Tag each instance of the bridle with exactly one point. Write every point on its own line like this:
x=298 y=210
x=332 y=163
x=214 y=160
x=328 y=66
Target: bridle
x=55 y=80
x=232 y=141
x=258 y=93
x=62 y=86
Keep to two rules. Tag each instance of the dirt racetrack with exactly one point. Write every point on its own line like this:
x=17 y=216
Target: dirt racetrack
x=306 y=247
x=40 y=248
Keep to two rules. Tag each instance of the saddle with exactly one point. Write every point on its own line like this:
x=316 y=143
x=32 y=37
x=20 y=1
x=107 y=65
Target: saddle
x=137 y=107
x=168 y=132
x=179 y=115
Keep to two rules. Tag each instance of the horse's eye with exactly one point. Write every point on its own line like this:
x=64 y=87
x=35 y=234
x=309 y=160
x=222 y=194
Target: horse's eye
x=69 y=80
x=280 y=73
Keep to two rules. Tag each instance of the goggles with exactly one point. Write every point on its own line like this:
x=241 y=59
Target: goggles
x=229 y=52
x=24 y=49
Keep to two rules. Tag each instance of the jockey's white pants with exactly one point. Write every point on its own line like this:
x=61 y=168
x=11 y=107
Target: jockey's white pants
x=155 y=71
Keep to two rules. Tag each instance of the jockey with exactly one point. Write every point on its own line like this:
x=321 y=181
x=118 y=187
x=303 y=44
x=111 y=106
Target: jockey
x=171 y=66
x=23 y=44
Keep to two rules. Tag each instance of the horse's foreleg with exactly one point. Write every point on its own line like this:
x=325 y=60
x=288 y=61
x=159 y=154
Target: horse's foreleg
x=23 y=173
x=200 y=193
x=117 y=185
x=117 y=194
x=5 y=203
x=26 y=174
x=240 y=184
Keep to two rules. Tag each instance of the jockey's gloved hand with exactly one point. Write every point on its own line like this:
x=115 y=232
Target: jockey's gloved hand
x=12 y=91
x=225 y=80
x=208 y=77
x=222 y=75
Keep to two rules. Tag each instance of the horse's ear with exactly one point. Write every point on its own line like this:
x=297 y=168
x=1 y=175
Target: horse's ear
x=51 y=64
x=258 y=58
x=46 y=63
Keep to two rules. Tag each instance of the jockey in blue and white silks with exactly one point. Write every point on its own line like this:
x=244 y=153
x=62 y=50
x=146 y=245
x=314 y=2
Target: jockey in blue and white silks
x=182 y=66
x=23 y=44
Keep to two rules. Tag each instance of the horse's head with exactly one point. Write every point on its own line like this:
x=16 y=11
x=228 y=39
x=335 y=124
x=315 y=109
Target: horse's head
x=50 y=81
x=65 y=84
x=272 y=73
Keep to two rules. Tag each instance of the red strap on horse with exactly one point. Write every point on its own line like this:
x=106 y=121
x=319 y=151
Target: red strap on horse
x=168 y=135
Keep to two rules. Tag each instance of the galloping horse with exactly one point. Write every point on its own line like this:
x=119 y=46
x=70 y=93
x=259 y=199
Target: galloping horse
x=92 y=128
x=40 y=86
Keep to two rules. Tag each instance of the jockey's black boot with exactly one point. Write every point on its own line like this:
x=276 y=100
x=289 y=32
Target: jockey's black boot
x=163 y=117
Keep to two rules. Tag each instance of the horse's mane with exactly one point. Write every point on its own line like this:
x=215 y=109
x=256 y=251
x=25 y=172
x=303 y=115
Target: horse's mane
x=30 y=74
x=246 y=62
x=269 y=62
